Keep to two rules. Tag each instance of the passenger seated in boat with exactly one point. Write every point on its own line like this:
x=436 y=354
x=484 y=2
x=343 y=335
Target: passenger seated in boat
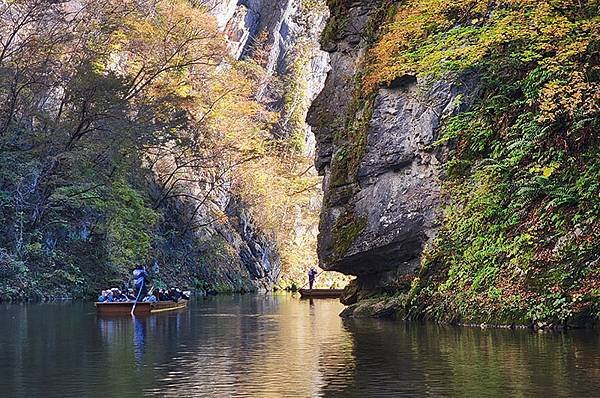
x=181 y=294
x=122 y=297
x=150 y=298
x=103 y=296
x=114 y=294
x=184 y=295
x=162 y=296
x=109 y=296
x=175 y=296
x=130 y=295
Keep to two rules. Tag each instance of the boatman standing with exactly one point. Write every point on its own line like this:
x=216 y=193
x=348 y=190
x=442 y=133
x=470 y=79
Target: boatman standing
x=312 y=273
x=140 y=279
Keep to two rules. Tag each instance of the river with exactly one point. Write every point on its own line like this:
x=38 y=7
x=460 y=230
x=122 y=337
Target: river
x=280 y=346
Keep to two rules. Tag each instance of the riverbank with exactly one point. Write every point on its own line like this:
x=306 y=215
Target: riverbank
x=389 y=308
x=48 y=298
x=403 y=307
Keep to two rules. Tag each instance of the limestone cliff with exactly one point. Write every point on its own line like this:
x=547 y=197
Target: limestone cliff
x=223 y=248
x=382 y=186
x=438 y=141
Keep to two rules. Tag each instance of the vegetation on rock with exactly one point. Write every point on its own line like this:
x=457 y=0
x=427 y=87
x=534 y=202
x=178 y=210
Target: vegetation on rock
x=519 y=240
x=123 y=125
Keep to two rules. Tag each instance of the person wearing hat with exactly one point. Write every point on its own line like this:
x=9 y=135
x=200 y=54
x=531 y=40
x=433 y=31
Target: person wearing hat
x=130 y=294
x=140 y=279
x=312 y=273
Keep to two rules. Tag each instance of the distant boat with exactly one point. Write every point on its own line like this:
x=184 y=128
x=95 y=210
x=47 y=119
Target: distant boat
x=321 y=293
x=124 y=308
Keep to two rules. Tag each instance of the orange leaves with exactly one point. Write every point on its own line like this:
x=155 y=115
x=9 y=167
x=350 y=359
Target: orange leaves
x=433 y=36
x=398 y=51
x=166 y=44
x=574 y=95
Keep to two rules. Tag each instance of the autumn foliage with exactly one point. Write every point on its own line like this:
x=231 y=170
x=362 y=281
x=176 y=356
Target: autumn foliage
x=112 y=114
x=519 y=240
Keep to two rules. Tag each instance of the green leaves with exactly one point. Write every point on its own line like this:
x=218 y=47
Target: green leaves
x=129 y=226
x=523 y=178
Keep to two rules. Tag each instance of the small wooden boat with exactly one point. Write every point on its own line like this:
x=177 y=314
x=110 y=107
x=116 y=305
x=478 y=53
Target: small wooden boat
x=140 y=309
x=321 y=293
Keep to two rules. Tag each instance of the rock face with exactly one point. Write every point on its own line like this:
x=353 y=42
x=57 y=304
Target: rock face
x=376 y=221
x=243 y=22
x=216 y=246
x=225 y=248
x=398 y=177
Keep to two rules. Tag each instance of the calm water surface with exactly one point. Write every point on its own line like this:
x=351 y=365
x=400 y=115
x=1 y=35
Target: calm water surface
x=279 y=346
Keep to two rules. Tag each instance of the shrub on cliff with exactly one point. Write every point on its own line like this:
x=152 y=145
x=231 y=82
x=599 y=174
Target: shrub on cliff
x=519 y=240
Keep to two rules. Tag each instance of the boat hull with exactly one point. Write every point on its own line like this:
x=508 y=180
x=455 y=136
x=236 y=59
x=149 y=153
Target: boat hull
x=321 y=293
x=140 y=308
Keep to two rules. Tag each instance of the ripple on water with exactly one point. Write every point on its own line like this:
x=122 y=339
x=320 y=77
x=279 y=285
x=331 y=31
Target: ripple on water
x=275 y=346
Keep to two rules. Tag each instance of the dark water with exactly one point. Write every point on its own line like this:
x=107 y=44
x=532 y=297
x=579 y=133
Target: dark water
x=279 y=346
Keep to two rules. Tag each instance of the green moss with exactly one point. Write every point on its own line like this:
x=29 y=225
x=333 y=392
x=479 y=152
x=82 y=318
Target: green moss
x=338 y=20
x=382 y=306
x=346 y=230
x=517 y=242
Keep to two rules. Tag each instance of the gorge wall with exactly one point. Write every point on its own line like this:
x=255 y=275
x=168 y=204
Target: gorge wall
x=179 y=143
x=229 y=251
x=381 y=173
x=425 y=168
x=282 y=37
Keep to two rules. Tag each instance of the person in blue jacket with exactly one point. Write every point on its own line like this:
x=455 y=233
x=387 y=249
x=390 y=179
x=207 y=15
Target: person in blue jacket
x=150 y=298
x=312 y=274
x=103 y=297
x=140 y=281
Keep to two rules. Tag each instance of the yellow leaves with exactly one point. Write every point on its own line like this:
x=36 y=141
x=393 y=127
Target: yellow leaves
x=545 y=171
x=429 y=36
x=163 y=46
x=575 y=95
x=280 y=191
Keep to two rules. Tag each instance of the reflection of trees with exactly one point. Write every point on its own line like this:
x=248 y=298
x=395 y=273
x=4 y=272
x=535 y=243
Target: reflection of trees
x=277 y=346
x=408 y=359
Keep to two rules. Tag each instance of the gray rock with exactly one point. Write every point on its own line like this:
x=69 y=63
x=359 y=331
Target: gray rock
x=239 y=29
x=392 y=205
x=231 y=252
x=399 y=175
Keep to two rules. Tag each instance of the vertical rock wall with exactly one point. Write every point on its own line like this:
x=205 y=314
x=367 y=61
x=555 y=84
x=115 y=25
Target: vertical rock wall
x=229 y=252
x=382 y=180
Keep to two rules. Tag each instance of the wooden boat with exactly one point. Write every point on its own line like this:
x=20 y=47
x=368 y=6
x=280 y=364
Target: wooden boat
x=321 y=293
x=140 y=309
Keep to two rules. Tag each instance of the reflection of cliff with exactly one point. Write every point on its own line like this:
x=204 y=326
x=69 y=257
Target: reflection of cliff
x=411 y=359
x=264 y=347
x=301 y=349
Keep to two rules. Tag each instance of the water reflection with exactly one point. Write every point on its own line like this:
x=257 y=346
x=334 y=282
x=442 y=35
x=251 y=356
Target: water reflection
x=273 y=346
x=408 y=359
x=139 y=339
x=258 y=346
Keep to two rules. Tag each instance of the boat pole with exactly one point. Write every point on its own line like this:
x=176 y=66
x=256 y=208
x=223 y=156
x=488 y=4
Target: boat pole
x=137 y=298
x=309 y=281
